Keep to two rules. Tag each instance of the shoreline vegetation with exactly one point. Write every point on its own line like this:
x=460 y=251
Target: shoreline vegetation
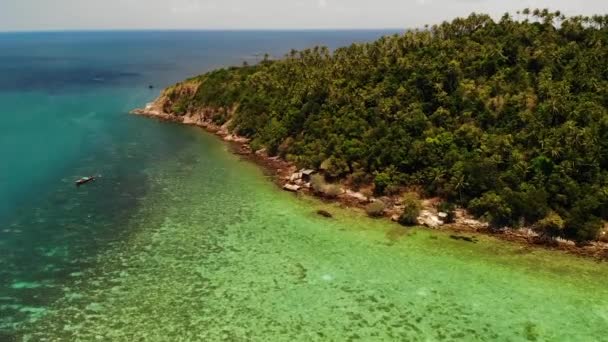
x=282 y=172
x=500 y=127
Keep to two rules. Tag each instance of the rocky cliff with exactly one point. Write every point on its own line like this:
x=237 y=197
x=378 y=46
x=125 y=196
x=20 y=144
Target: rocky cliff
x=172 y=105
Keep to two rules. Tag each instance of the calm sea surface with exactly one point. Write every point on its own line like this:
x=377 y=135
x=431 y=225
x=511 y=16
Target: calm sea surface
x=181 y=240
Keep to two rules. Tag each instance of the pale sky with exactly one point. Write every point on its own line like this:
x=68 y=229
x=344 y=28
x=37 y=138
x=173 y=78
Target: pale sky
x=18 y=15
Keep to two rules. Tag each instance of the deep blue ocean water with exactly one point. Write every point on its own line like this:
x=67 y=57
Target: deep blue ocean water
x=64 y=103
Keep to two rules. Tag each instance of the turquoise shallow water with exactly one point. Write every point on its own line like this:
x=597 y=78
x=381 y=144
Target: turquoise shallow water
x=182 y=241
x=217 y=252
x=64 y=101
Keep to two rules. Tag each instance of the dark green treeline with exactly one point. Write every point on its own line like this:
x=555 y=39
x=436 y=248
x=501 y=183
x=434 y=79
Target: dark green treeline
x=507 y=118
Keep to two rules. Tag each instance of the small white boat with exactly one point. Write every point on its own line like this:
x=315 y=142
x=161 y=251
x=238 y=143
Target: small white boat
x=85 y=180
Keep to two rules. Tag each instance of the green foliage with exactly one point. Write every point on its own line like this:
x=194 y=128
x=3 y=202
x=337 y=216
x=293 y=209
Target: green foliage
x=334 y=167
x=493 y=209
x=385 y=182
x=507 y=118
x=603 y=233
x=551 y=226
x=582 y=224
x=411 y=209
x=273 y=135
x=381 y=182
x=375 y=209
x=256 y=144
x=220 y=118
x=180 y=106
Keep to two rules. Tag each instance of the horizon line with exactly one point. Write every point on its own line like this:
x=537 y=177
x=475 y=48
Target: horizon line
x=201 y=30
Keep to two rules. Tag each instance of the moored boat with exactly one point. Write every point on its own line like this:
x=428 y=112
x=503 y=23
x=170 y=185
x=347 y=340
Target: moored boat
x=85 y=180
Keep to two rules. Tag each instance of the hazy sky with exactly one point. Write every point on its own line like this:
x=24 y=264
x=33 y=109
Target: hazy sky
x=259 y=14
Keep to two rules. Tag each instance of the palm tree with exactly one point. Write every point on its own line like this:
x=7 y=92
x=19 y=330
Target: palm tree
x=526 y=12
x=461 y=183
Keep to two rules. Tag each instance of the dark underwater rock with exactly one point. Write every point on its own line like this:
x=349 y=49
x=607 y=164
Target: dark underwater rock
x=463 y=238
x=324 y=213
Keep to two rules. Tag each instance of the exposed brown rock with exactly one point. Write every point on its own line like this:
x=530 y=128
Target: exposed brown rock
x=292 y=187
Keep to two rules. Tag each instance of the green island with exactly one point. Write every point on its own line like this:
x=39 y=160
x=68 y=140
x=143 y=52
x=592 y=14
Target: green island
x=506 y=118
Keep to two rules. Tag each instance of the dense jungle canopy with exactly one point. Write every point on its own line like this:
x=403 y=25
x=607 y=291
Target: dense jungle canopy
x=507 y=118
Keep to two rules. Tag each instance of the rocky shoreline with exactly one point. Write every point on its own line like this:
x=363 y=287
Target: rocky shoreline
x=288 y=177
